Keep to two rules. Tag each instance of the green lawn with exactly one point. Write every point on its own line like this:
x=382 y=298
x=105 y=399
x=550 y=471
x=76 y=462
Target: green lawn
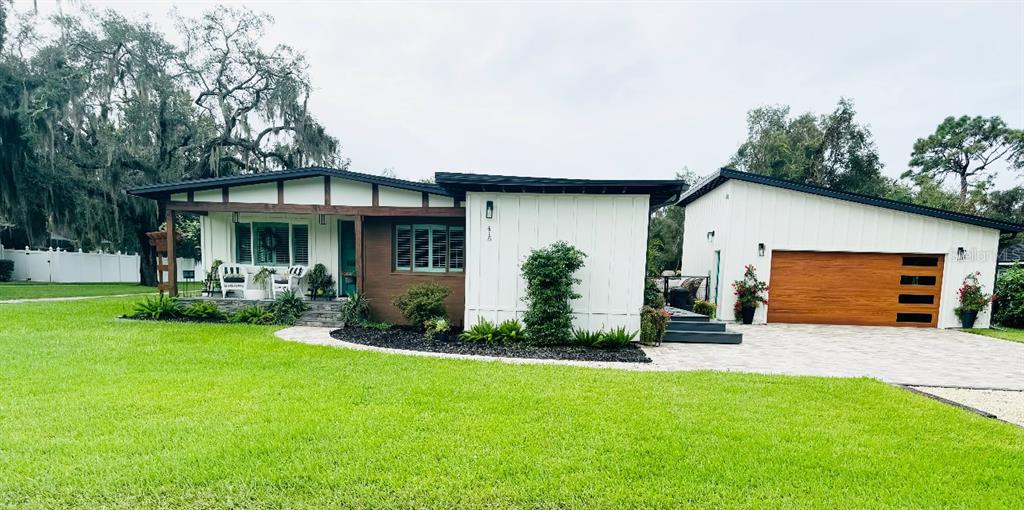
x=36 y=290
x=1011 y=334
x=98 y=413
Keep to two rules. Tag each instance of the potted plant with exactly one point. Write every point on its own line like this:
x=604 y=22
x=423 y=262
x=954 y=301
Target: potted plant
x=261 y=279
x=972 y=300
x=320 y=282
x=749 y=294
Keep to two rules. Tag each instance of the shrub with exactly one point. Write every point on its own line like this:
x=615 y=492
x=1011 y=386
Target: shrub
x=615 y=338
x=436 y=326
x=287 y=308
x=1009 y=309
x=203 y=310
x=212 y=280
x=254 y=314
x=484 y=331
x=6 y=270
x=586 y=338
x=510 y=331
x=156 y=308
x=356 y=309
x=749 y=291
x=705 y=308
x=423 y=302
x=653 y=295
x=653 y=323
x=549 y=289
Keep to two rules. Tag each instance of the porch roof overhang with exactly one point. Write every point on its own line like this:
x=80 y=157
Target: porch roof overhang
x=662 y=192
x=162 y=191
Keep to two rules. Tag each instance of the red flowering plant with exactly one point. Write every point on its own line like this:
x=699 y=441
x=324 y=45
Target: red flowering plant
x=972 y=296
x=749 y=291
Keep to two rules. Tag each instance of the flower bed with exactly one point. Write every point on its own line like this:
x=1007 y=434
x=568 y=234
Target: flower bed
x=408 y=338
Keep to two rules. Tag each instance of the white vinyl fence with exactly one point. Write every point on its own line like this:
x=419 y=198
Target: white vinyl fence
x=61 y=266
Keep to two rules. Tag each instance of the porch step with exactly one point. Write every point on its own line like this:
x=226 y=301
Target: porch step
x=703 y=337
x=696 y=326
x=336 y=324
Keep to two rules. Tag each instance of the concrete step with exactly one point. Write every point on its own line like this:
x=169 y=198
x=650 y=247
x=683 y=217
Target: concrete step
x=696 y=326
x=703 y=337
x=321 y=324
x=690 y=318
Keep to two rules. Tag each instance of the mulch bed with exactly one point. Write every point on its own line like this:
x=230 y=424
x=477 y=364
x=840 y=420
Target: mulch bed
x=407 y=338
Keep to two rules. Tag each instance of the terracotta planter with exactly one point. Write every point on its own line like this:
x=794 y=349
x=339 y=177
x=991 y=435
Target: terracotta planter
x=967 y=319
x=747 y=312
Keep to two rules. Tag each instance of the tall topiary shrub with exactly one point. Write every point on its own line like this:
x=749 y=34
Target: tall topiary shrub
x=549 y=279
x=1009 y=300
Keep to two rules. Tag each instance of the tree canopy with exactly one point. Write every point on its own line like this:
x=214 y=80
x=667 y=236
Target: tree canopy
x=105 y=103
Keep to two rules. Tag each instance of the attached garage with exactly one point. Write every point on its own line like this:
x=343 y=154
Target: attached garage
x=867 y=289
x=831 y=257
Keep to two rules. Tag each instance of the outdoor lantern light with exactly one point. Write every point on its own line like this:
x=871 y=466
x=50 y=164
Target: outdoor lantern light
x=711 y=236
x=961 y=253
x=490 y=209
x=760 y=249
x=323 y=219
x=234 y=217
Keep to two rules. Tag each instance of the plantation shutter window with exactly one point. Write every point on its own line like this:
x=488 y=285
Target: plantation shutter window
x=300 y=245
x=243 y=243
x=456 y=248
x=403 y=247
x=429 y=248
x=271 y=244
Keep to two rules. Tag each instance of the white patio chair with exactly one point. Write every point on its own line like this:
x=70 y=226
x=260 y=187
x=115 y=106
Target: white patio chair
x=233 y=277
x=289 y=280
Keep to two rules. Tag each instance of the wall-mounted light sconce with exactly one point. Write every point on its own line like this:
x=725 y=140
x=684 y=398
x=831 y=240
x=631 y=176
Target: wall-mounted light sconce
x=961 y=253
x=711 y=235
x=490 y=209
x=234 y=217
x=760 y=249
x=323 y=219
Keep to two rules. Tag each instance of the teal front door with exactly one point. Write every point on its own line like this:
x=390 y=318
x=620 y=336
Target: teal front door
x=347 y=257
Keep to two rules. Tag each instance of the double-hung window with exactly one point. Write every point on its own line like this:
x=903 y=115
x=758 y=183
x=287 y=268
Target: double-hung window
x=429 y=248
x=272 y=244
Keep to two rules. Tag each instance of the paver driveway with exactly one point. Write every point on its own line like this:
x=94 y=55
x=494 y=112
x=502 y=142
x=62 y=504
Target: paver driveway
x=917 y=356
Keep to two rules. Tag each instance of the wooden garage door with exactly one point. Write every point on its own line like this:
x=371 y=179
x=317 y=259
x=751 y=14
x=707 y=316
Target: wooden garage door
x=877 y=289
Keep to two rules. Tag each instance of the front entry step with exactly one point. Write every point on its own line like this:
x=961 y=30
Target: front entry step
x=696 y=326
x=703 y=337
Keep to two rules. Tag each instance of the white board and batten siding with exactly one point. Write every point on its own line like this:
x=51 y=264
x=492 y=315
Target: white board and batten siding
x=610 y=229
x=743 y=214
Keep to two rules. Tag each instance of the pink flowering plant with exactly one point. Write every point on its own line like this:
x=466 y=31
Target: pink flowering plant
x=972 y=296
x=749 y=291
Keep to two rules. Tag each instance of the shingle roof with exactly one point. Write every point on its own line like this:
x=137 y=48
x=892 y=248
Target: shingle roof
x=716 y=179
x=662 y=192
x=159 y=190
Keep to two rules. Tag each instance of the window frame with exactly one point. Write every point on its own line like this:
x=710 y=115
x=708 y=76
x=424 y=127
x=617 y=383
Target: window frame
x=431 y=228
x=252 y=242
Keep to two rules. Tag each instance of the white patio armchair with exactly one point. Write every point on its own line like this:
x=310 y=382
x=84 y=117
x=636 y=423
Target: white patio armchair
x=233 y=277
x=288 y=280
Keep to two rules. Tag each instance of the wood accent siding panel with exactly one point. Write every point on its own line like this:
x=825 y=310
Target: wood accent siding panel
x=381 y=284
x=849 y=288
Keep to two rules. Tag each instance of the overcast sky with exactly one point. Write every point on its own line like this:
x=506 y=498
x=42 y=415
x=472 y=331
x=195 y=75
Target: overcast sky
x=616 y=90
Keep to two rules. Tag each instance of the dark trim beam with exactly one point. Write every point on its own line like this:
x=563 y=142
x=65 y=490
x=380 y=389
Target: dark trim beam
x=341 y=210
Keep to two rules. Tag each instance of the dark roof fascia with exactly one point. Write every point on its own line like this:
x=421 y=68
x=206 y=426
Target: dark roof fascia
x=712 y=181
x=159 y=190
x=662 y=192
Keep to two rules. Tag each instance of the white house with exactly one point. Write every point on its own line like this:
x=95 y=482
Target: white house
x=468 y=232
x=832 y=257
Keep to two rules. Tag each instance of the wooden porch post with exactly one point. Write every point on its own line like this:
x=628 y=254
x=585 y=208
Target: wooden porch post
x=359 y=252
x=172 y=269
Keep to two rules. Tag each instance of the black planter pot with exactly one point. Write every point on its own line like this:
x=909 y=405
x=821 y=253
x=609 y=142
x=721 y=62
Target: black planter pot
x=967 y=319
x=747 y=312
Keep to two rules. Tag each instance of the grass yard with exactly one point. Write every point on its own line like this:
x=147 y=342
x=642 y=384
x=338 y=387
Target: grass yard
x=121 y=414
x=1011 y=334
x=36 y=290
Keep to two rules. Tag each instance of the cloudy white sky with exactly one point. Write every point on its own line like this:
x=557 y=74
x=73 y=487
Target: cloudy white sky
x=630 y=90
